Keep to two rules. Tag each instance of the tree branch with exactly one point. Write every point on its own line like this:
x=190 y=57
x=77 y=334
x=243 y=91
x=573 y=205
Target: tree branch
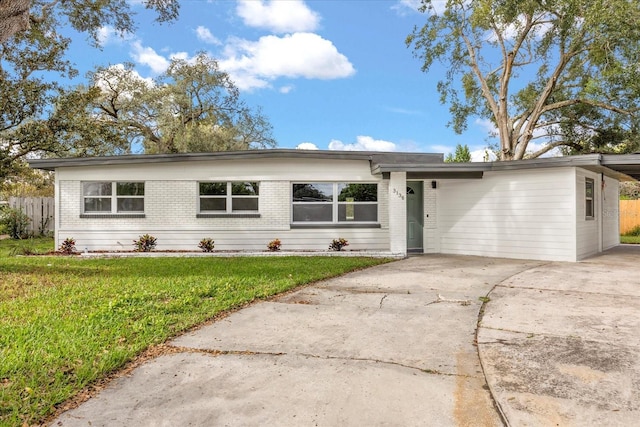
x=553 y=145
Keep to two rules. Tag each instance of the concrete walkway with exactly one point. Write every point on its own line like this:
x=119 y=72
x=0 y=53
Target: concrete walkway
x=394 y=345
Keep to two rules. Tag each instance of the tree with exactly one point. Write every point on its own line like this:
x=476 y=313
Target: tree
x=585 y=126
x=526 y=65
x=193 y=107
x=462 y=155
x=30 y=48
x=85 y=16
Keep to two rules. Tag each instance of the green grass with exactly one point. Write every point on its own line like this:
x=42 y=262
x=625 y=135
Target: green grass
x=66 y=322
x=37 y=245
x=630 y=239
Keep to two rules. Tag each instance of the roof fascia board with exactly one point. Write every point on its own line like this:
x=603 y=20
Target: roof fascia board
x=373 y=157
x=445 y=175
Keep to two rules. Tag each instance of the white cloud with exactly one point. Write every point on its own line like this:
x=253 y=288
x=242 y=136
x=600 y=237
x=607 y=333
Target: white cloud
x=307 y=146
x=278 y=16
x=534 y=146
x=205 y=35
x=149 y=57
x=301 y=55
x=181 y=55
x=511 y=30
x=483 y=155
x=445 y=149
x=363 y=143
x=488 y=126
x=402 y=6
x=107 y=34
x=405 y=111
x=405 y=6
x=115 y=76
x=285 y=89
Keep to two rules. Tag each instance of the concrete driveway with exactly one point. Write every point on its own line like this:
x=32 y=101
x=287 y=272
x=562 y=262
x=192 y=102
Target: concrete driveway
x=560 y=343
x=394 y=345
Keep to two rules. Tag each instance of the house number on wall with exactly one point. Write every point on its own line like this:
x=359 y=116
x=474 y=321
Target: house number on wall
x=398 y=193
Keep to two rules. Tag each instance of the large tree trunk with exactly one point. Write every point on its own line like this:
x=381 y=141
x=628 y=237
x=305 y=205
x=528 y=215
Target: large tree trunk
x=14 y=17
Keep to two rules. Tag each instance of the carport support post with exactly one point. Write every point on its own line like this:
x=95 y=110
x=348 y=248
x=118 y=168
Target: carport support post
x=398 y=213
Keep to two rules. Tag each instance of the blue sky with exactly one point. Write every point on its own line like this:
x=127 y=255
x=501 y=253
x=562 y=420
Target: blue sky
x=334 y=74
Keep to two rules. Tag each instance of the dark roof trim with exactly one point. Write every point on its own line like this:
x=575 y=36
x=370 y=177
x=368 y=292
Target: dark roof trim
x=627 y=164
x=445 y=175
x=621 y=167
x=376 y=157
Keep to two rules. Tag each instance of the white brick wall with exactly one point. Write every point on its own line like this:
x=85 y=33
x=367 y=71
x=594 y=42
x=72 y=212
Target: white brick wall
x=170 y=215
x=398 y=212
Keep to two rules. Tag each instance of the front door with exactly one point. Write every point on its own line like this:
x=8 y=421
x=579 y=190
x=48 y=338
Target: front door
x=415 y=214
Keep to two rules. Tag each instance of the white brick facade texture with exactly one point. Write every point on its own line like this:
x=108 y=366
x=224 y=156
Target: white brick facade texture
x=398 y=212
x=171 y=215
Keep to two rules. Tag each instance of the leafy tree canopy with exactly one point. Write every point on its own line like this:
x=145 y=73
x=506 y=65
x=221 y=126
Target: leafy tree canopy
x=85 y=16
x=33 y=67
x=462 y=155
x=192 y=107
x=533 y=67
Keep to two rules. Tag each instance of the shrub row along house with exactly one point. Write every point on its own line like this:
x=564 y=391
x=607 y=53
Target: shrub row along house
x=548 y=209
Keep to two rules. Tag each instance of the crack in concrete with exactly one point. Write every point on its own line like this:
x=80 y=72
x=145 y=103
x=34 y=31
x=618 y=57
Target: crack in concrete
x=170 y=349
x=573 y=291
x=387 y=362
x=496 y=403
x=382 y=299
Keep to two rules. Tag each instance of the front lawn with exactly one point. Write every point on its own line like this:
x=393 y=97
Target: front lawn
x=66 y=322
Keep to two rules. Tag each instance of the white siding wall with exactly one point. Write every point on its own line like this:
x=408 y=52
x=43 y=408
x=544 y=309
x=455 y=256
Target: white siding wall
x=520 y=214
x=171 y=200
x=431 y=242
x=588 y=230
x=610 y=215
x=603 y=231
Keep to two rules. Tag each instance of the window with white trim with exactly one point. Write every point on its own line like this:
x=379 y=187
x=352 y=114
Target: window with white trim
x=103 y=197
x=334 y=202
x=228 y=197
x=589 y=191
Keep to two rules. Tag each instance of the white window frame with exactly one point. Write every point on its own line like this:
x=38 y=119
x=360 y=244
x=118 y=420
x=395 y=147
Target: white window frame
x=229 y=198
x=335 y=203
x=114 y=196
x=590 y=200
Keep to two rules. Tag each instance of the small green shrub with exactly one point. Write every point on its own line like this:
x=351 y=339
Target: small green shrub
x=68 y=247
x=338 y=244
x=145 y=243
x=15 y=222
x=634 y=232
x=206 y=244
x=274 y=245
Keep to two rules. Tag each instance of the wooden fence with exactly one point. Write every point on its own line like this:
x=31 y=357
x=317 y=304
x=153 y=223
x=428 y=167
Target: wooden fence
x=39 y=209
x=629 y=215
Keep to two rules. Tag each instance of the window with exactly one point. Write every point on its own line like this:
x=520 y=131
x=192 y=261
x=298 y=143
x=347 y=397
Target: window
x=589 y=190
x=228 y=197
x=113 y=197
x=335 y=202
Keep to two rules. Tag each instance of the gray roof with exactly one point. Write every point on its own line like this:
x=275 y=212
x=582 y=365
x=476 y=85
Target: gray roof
x=417 y=165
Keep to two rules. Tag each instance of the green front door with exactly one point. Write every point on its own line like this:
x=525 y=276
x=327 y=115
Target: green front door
x=415 y=214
